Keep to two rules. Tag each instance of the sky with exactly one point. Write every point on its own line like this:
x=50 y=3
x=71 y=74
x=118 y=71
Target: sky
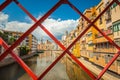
x=63 y=19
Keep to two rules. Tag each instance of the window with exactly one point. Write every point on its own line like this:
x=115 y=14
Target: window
x=115 y=28
x=89 y=34
x=119 y=26
x=99 y=10
x=114 y=5
x=118 y=62
x=100 y=20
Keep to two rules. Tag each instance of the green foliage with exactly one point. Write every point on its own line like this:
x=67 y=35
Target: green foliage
x=4 y=36
x=11 y=40
x=24 y=50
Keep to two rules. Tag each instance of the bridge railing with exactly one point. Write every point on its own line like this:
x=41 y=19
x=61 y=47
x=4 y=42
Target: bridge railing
x=9 y=50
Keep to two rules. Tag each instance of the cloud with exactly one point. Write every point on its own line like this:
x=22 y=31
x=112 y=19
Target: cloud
x=55 y=26
x=17 y=26
x=58 y=27
x=3 y=19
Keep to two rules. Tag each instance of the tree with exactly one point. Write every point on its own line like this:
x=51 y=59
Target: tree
x=4 y=36
x=11 y=40
x=24 y=50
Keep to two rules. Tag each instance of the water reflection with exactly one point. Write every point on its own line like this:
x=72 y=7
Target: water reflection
x=42 y=62
x=39 y=63
x=75 y=72
x=11 y=72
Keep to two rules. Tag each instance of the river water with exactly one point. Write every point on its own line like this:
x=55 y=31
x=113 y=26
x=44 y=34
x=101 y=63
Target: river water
x=38 y=64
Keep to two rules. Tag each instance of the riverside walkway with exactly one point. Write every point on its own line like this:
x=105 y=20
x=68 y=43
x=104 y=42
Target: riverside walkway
x=107 y=76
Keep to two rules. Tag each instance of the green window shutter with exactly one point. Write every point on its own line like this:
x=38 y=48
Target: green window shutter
x=119 y=27
x=115 y=28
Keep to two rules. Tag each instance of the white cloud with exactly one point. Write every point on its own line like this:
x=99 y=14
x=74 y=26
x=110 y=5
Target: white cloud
x=17 y=26
x=56 y=27
x=3 y=19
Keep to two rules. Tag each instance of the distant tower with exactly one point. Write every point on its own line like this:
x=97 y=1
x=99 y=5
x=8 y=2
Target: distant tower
x=41 y=41
x=66 y=33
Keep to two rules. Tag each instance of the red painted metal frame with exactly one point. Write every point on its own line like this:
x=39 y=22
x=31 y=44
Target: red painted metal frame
x=22 y=64
x=6 y=3
x=65 y=49
x=111 y=41
x=56 y=42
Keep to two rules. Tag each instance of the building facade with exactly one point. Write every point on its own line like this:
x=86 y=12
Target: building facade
x=30 y=41
x=93 y=46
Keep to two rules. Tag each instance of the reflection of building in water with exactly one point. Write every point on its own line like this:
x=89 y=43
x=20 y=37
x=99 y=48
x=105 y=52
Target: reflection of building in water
x=47 y=45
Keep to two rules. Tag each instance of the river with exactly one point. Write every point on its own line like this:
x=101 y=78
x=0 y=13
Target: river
x=37 y=64
x=64 y=68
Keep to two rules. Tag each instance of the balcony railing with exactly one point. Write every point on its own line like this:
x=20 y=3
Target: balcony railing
x=107 y=32
x=105 y=50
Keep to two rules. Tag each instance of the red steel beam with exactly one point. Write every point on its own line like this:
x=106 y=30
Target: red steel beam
x=0 y=42
x=40 y=25
x=83 y=15
x=34 y=19
x=112 y=60
x=6 y=3
x=108 y=65
x=25 y=67
x=66 y=50
x=118 y=2
x=33 y=27
x=92 y=23
x=111 y=41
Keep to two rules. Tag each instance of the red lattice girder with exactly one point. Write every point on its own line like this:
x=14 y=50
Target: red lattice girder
x=0 y=42
x=112 y=42
x=29 y=31
x=108 y=65
x=54 y=40
x=22 y=64
x=6 y=3
x=65 y=49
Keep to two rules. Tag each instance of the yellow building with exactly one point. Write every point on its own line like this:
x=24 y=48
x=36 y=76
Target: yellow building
x=115 y=10
x=104 y=51
x=83 y=40
x=76 y=47
x=87 y=41
x=90 y=36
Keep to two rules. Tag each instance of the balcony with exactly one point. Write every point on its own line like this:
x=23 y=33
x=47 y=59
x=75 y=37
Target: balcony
x=105 y=50
x=107 y=32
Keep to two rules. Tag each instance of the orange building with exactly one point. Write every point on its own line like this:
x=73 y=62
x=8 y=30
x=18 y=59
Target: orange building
x=115 y=14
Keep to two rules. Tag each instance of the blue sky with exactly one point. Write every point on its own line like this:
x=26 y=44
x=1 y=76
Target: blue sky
x=40 y=7
x=64 y=18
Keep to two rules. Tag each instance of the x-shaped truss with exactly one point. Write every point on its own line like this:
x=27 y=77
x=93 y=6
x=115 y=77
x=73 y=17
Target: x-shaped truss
x=66 y=50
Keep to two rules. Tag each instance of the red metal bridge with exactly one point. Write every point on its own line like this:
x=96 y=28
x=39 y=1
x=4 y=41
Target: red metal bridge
x=9 y=50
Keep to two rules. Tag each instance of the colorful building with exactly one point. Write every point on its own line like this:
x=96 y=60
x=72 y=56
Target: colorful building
x=92 y=45
x=30 y=41
x=115 y=10
x=87 y=40
x=76 y=47
x=45 y=46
